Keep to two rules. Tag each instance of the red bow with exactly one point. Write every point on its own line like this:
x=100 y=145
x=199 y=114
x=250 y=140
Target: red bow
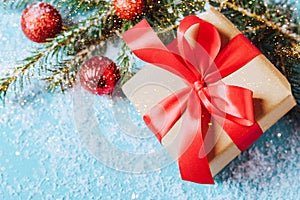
x=196 y=56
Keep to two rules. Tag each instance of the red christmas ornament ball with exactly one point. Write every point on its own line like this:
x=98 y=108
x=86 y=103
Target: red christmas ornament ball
x=99 y=75
x=128 y=9
x=40 y=21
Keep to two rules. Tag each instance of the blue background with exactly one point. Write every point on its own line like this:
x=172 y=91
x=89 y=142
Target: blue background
x=42 y=156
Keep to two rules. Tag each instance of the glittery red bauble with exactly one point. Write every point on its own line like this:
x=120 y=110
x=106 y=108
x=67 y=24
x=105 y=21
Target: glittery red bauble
x=41 y=21
x=99 y=75
x=128 y=9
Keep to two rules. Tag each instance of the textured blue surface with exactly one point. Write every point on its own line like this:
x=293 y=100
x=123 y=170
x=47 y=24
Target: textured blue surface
x=42 y=155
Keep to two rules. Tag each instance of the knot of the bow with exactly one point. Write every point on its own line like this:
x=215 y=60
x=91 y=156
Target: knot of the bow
x=198 y=85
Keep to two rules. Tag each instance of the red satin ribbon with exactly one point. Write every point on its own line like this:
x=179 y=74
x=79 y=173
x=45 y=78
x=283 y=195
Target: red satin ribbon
x=201 y=63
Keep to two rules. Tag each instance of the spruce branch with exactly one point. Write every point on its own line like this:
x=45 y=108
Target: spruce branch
x=70 y=6
x=126 y=60
x=19 y=73
x=95 y=31
x=261 y=18
x=56 y=56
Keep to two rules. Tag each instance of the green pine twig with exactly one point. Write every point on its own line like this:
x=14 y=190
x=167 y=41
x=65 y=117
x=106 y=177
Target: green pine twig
x=55 y=55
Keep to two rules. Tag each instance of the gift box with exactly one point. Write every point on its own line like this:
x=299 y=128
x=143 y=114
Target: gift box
x=222 y=135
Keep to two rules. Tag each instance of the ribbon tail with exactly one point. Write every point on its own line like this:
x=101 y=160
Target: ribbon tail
x=161 y=118
x=242 y=136
x=193 y=166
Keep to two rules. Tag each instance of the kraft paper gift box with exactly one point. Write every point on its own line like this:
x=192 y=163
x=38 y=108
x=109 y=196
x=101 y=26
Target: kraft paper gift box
x=271 y=95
